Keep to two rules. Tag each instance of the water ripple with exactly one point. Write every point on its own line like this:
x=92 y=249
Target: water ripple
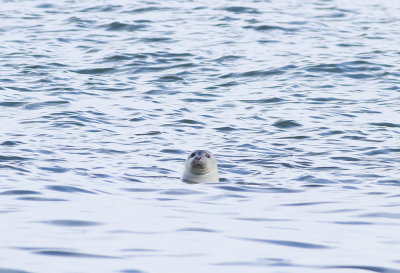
x=68 y=189
x=271 y=28
x=180 y=192
x=19 y=192
x=285 y=124
x=118 y=26
x=39 y=105
x=12 y=158
x=366 y=268
x=71 y=223
x=241 y=9
x=197 y=230
x=8 y=270
x=72 y=254
x=287 y=243
x=382 y=215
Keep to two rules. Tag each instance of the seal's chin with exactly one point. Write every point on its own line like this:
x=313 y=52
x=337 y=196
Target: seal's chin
x=198 y=166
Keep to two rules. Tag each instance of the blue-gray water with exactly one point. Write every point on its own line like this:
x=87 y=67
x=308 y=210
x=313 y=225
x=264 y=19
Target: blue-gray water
x=102 y=100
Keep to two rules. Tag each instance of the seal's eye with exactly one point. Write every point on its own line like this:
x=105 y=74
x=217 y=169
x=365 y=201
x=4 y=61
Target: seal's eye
x=192 y=155
x=208 y=155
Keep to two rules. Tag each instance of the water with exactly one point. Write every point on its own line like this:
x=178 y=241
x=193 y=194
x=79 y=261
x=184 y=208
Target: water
x=102 y=101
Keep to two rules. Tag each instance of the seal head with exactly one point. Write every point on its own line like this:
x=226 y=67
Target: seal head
x=201 y=167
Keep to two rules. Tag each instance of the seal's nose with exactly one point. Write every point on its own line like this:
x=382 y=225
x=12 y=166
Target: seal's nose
x=198 y=158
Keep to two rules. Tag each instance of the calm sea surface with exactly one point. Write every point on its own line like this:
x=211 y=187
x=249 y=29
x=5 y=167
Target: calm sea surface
x=101 y=101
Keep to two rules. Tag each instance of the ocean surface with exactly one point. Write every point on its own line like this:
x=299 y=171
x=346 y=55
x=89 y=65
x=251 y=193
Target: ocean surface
x=102 y=101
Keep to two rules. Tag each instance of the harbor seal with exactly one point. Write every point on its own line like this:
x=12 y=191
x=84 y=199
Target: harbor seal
x=201 y=167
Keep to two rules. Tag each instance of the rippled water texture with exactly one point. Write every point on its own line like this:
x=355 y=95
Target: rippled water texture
x=101 y=102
